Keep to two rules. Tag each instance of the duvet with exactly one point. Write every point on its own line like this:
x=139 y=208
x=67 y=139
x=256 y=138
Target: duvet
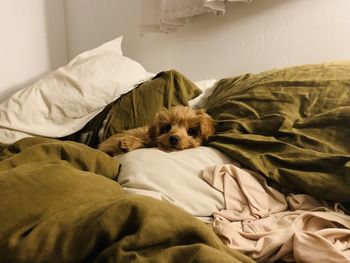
x=290 y=125
x=59 y=203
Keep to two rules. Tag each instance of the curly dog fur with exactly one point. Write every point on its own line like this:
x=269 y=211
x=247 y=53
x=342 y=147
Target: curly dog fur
x=175 y=129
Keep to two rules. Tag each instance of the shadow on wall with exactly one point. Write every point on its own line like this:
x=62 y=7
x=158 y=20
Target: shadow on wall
x=56 y=33
x=47 y=43
x=90 y=23
x=241 y=12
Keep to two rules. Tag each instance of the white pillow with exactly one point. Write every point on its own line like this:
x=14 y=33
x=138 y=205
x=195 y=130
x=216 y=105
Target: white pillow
x=175 y=177
x=114 y=46
x=65 y=100
x=207 y=86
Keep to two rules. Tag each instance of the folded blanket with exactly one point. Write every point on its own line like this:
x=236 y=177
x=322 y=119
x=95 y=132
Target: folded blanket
x=264 y=224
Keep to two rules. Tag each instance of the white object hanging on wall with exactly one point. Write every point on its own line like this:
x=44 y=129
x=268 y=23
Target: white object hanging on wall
x=174 y=13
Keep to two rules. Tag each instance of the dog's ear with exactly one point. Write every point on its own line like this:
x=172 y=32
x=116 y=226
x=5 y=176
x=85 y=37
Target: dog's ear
x=161 y=116
x=153 y=131
x=206 y=124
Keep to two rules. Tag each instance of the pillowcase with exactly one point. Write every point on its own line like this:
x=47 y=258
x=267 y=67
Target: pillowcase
x=139 y=106
x=207 y=87
x=65 y=100
x=113 y=46
x=174 y=177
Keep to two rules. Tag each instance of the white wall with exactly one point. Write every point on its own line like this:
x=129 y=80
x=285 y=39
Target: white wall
x=32 y=41
x=249 y=38
x=37 y=35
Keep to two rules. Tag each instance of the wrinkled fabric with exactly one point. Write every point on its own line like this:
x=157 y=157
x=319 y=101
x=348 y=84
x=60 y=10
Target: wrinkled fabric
x=63 y=101
x=267 y=226
x=59 y=203
x=290 y=125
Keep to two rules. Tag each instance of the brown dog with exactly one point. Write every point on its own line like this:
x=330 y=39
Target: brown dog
x=175 y=129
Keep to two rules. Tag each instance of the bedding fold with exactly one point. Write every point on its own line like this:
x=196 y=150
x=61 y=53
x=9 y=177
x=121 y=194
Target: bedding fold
x=138 y=107
x=269 y=226
x=290 y=125
x=59 y=203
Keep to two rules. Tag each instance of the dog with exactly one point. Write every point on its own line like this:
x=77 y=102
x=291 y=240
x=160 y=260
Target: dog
x=175 y=129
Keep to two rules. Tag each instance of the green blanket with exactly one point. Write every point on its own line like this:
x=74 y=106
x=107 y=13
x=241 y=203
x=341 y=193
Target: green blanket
x=138 y=107
x=59 y=203
x=291 y=125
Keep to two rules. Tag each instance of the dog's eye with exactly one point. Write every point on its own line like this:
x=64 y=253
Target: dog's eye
x=165 y=128
x=192 y=131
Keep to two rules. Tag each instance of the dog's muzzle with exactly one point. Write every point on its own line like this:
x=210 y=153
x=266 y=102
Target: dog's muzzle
x=174 y=140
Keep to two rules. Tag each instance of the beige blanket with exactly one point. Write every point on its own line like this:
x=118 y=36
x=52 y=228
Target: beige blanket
x=267 y=226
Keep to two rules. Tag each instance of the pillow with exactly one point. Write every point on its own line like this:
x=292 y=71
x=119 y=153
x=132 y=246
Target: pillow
x=65 y=100
x=139 y=106
x=174 y=177
x=114 y=46
x=207 y=87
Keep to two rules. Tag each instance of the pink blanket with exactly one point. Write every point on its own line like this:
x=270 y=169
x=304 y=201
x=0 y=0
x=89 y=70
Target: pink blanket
x=266 y=225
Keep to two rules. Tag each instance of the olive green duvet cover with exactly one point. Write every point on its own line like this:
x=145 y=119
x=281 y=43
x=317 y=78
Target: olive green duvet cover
x=59 y=203
x=292 y=125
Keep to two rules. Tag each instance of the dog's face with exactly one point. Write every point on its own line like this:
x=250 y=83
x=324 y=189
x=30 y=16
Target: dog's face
x=181 y=128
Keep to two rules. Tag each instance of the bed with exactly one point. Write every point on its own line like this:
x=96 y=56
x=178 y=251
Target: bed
x=272 y=184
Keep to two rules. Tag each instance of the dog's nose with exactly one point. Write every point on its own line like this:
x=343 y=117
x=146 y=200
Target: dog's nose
x=174 y=140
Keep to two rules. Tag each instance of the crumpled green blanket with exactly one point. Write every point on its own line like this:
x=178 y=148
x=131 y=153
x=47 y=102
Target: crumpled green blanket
x=291 y=125
x=59 y=203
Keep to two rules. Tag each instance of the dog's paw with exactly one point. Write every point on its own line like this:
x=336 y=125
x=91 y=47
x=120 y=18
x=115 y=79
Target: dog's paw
x=120 y=143
x=129 y=143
